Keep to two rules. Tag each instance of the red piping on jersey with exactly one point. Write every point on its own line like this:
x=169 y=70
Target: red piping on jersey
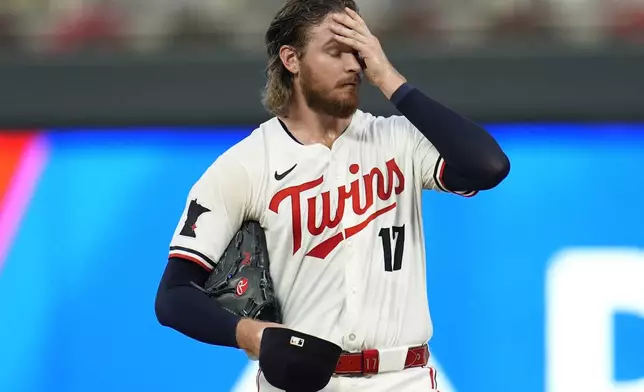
x=442 y=171
x=193 y=259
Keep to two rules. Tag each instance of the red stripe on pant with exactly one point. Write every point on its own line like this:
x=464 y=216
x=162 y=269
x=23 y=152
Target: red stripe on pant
x=432 y=377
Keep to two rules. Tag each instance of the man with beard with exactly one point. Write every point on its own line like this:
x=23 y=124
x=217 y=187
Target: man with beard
x=338 y=193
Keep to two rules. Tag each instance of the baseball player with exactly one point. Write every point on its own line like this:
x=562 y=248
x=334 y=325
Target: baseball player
x=338 y=194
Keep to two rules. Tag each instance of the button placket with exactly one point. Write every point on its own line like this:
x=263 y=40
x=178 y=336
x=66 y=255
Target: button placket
x=353 y=300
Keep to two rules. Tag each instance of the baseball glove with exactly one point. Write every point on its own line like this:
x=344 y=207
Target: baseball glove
x=241 y=281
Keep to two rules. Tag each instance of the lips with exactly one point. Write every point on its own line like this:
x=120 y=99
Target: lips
x=352 y=82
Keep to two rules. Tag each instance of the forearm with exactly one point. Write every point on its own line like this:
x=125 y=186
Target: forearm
x=468 y=149
x=184 y=308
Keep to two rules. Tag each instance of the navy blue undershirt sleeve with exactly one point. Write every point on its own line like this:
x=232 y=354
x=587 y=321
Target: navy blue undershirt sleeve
x=184 y=308
x=401 y=93
x=474 y=160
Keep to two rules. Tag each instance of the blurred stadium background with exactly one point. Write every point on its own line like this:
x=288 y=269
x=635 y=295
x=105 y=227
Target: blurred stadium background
x=111 y=109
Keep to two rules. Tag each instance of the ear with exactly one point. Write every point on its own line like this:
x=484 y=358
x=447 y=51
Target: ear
x=289 y=58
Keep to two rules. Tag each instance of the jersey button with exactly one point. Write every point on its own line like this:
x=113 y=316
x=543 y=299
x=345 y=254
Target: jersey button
x=352 y=337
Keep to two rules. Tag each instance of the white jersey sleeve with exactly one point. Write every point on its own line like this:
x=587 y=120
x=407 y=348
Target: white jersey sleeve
x=216 y=206
x=428 y=163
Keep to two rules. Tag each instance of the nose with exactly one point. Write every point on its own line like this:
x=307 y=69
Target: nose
x=351 y=63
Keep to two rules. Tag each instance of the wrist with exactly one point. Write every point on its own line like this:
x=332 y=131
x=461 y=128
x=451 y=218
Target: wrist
x=244 y=333
x=391 y=82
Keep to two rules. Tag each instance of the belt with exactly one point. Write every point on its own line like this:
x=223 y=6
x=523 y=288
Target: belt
x=381 y=361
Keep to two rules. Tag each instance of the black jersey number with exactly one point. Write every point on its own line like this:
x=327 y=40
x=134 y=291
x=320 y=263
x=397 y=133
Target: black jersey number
x=388 y=235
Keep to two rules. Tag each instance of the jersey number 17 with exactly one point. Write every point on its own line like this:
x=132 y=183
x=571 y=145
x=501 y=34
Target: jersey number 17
x=388 y=235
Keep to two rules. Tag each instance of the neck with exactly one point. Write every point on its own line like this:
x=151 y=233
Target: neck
x=310 y=127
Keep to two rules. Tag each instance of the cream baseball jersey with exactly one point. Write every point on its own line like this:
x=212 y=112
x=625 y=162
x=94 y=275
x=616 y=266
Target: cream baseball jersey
x=343 y=226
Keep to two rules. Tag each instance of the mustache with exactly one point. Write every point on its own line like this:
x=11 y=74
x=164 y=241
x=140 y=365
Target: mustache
x=354 y=80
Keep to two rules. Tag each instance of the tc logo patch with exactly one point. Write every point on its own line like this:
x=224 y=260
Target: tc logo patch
x=194 y=212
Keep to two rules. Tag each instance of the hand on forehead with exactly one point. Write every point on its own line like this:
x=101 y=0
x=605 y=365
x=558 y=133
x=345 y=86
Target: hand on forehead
x=322 y=35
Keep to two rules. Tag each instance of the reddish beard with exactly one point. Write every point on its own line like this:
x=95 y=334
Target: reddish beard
x=323 y=101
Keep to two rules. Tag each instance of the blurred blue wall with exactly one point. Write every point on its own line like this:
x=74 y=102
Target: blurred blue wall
x=77 y=289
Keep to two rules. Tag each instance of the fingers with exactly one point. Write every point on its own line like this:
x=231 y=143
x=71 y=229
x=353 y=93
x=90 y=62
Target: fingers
x=348 y=33
x=355 y=16
x=351 y=42
x=353 y=24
